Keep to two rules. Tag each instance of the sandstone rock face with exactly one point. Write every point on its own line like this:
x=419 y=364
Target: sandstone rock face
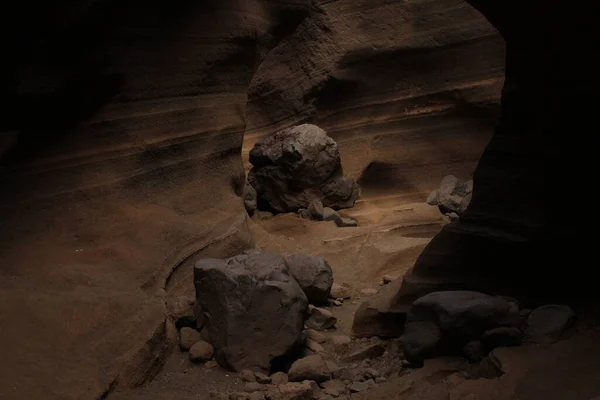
x=314 y=276
x=296 y=165
x=255 y=308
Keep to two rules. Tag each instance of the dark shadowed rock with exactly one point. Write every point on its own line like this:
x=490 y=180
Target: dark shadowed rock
x=298 y=164
x=548 y=323
x=315 y=210
x=311 y=368
x=320 y=319
x=473 y=351
x=340 y=291
x=255 y=309
x=501 y=337
x=201 y=351
x=188 y=337
x=314 y=276
x=443 y=322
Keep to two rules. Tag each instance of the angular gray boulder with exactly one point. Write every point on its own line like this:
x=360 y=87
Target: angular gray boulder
x=444 y=322
x=314 y=276
x=254 y=308
x=297 y=165
x=548 y=323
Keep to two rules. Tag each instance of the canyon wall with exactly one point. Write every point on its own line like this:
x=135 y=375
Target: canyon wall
x=120 y=151
x=410 y=90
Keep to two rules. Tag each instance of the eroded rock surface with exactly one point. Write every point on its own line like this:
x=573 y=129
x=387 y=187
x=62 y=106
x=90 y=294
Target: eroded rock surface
x=296 y=165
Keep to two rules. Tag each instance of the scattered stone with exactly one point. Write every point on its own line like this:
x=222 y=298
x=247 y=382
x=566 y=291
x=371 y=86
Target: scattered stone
x=329 y=214
x=333 y=387
x=279 y=378
x=432 y=198
x=248 y=376
x=320 y=319
x=369 y=292
x=250 y=199
x=314 y=346
x=346 y=222
x=315 y=209
x=388 y=278
x=449 y=202
x=316 y=336
x=181 y=311
x=201 y=351
x=357 y=387
x=255 y=308
x=314 y=276
x=548 y=323
x=293 y=391
x=369 y=352
x=187 y=338
x=448 y=184
x=371 y=373
x=292 y=165
x=340 y=291
x=251 y=387
x=453 y=216
x=333 y=367
x=473 y=351
x=462 y=316
x=311 y=368
x=262 y=378
x=341 y=343
x=211 y=364
x=336 y=303
x=501 y=337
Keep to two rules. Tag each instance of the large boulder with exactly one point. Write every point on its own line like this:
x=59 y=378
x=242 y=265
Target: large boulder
x=314 y=276
x=255 y=309
x=296 y=165
x=444 y=322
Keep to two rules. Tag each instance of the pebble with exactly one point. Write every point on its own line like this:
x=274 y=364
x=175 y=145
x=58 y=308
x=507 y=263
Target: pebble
x=279 y=378
x=248 y=376
x=201 y=351
x=262 y=378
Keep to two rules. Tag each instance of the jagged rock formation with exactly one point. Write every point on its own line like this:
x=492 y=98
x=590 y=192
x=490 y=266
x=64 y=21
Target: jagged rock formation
x=297 y=166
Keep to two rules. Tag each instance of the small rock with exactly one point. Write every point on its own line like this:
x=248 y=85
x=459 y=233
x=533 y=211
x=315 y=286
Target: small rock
x=501 y=337
x=464 y=203
x=449 y=203
x=316 y=336
x=333 y=387
x=187 y=338
x=315 y=210
x=368 y=352
x=388 y=278
x=279 y=378
x=371 y=373
x=329 y=214
x=336 y=303
x=201 y=351
x=448 y=184
x=548 y=323
x=453 y=216
x=250 y=199
x=251 y=387
x=369 y=292
x=333 y=367
x=320 y=319
x=211 y=364
x=314 y=346
x=262 y=378
x=311 y=368
x=293 y=391
x=340 y=291
x=247 y=376
x=473 y=351
x=432 y=198
x=313 y=274
x=341 y=343
x=357 y=387
x=346 y=222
